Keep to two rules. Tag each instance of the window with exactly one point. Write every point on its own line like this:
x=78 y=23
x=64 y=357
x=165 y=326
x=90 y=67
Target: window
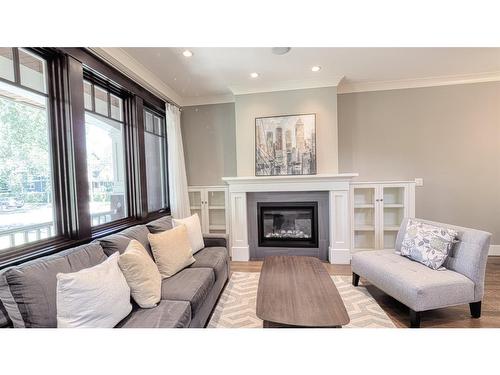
x=104 y=132
x=53 y=166
x=26 y=188
x=32 y=70
x=156 y=160
x=7 y=63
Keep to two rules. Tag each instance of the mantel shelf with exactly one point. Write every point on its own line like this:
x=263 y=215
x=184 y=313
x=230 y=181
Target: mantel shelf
x=318 y=182
x=293 y=178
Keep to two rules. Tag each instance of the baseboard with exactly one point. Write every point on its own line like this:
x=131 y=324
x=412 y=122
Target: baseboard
x=494 y=250
x=240 y=254
x=339 y=256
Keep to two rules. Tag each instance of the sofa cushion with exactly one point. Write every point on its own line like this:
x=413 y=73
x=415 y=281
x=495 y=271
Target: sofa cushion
x=119 y=241
x=212 y=257
x=191 y=284
x=160 y=225
x=215 y=240
x=168 y=314
x=412 y=283
x=4 y=317
x=113 y=243
x=28 y=291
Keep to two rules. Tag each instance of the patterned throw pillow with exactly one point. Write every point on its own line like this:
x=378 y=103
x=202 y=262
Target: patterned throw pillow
x=427 y=244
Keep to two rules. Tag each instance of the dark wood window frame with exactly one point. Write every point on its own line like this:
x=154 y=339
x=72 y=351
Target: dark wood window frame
x=162 y=116
x=66 y=70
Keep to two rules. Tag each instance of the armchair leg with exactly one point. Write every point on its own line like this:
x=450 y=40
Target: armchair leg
x=355 y=279
x=475 y=309
x=414 y=319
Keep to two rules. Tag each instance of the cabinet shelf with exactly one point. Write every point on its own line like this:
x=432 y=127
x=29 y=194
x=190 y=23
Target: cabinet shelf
x=364 y=228
x=393 y=205
x=195 y=207
x=364 y=205
x=392 y=228
x=216 y=207
x=216 y=227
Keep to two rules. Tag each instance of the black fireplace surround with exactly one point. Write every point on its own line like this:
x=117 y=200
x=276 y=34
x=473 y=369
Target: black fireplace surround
x=287 y=224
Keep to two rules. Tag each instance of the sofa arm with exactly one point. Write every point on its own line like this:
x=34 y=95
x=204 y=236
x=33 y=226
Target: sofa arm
x=215 y=240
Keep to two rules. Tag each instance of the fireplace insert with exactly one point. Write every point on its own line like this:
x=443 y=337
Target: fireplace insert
x=287 y=224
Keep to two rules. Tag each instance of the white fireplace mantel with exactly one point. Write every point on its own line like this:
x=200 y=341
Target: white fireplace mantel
x=336 y=184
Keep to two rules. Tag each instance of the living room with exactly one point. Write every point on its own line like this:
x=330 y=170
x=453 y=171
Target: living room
x=231 y=186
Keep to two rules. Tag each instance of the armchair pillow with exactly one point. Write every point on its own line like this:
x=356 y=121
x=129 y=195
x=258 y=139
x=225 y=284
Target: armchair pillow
x=427 y=244
x=171 y=250
x=195 y=234
x=142 y=275
x=95 y=297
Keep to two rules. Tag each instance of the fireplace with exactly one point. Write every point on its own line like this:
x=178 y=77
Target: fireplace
x=287 y=224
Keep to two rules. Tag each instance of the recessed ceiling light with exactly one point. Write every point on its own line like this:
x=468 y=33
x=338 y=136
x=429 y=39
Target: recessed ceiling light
x=187 y=53
x=316 y=68
x=254 y=75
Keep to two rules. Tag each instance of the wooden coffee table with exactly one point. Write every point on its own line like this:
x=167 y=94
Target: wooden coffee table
x=296 y=291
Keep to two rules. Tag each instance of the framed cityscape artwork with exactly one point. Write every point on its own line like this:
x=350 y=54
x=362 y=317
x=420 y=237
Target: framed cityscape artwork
x=285 y=145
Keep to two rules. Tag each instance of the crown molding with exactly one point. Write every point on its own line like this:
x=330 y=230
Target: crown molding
x=204 y=100
x=257 y=88
x=346 y=87
x=132 y=68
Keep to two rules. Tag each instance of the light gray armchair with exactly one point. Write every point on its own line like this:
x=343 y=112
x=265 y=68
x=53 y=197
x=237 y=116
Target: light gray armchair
x=421 y=288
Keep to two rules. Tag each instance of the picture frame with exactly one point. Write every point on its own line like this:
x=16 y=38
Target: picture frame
x=285 y=145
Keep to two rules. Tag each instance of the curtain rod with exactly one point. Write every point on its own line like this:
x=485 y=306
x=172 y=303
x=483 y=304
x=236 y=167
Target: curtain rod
x=126 y=74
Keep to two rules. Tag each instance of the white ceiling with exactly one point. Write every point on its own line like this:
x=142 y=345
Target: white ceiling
x=216 y=74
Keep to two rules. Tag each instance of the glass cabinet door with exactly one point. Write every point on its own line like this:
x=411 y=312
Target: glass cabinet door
x=393 y=213
x=364 y=218
x=216 y=211
x=195 y=201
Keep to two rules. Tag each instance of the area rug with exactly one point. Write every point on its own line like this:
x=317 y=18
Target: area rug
x=236 y=306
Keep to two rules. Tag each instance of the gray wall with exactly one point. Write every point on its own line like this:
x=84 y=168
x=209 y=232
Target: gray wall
x=449 y=135
x=208 y=134
x=321 y=101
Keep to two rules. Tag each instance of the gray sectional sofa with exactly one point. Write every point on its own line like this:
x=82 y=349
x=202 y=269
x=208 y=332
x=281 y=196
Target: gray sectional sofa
x=28 y=290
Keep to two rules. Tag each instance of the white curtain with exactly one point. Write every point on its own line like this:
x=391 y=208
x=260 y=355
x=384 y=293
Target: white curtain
x=177 y=180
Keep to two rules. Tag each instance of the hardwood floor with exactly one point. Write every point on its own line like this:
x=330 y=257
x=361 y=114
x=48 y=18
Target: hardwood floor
x=451 y=317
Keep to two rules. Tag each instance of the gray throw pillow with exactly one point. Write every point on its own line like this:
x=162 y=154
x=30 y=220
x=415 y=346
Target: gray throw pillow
x=427 y=244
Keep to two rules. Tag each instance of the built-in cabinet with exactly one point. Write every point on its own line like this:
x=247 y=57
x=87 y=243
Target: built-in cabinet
x=377 y=210
x=211 y=204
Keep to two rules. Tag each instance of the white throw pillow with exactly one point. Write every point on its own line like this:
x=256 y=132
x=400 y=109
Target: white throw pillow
x=142 y=275
x=193 y=227
x=95 y=297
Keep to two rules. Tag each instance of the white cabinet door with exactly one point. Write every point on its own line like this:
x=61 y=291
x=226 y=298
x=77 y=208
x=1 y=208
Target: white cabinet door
x=393 y=209
x=377 y=212
x=216 y=210
x=364 y=217
x=196 y=202
x=211 y=205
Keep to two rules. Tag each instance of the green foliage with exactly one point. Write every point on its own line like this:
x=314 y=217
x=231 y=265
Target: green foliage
x=24 y=146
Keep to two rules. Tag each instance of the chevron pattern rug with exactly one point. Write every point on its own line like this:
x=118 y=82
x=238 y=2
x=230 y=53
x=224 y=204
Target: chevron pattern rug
x=236 y=307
